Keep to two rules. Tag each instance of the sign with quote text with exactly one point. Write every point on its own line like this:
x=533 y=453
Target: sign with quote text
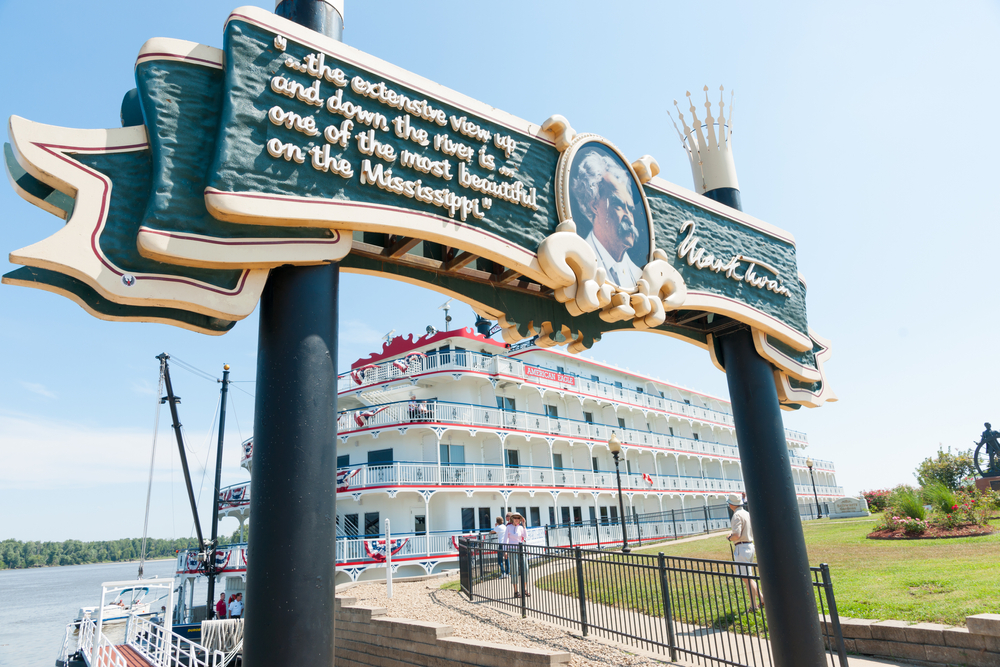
x=281 y=146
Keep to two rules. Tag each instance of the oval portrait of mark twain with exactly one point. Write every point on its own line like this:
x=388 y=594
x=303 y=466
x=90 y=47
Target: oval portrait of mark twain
x=608 y=206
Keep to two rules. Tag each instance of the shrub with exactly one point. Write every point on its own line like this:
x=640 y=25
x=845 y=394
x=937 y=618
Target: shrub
x=910 y=525
x=877 y=500
x=947 y=469
x=940 y=497
x=905 y=501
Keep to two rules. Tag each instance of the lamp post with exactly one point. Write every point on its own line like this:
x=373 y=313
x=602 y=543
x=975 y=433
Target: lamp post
x=616 y=449
x=809 y=464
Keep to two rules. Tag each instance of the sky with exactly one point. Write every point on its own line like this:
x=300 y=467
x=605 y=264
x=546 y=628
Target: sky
x=864 y=129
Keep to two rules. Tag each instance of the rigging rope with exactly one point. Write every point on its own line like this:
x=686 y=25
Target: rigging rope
x=152 y=461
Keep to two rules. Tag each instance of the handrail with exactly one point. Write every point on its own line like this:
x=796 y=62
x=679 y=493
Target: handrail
x=108 y=655
x=164 y=649
x=407 y=366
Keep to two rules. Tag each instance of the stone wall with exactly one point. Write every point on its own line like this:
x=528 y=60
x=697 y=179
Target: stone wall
x=929 y=644
x=367 y=637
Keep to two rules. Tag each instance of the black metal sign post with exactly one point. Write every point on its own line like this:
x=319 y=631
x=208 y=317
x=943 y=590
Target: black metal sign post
x=291 y=556
x=210 y=563
x=792 y=619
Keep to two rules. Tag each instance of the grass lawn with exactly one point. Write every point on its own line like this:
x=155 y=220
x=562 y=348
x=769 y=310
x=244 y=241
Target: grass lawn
x=940 y=581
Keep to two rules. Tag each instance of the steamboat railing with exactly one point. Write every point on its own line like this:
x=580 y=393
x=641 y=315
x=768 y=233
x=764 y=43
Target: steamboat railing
x=168 y=649
x=407 y=367
x=690 y=609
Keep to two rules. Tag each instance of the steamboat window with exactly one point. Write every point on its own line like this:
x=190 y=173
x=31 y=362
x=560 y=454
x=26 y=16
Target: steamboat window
x=593 y=461
x=614 y=514
x=560 y=370
x=484 y=518
x=621 y=422
x=536 y=517
x=513 y=460
x=588 y=417
x=371 y=524
x=523 y=511
x=552 y=516
x=696 y=436
x=565 y=514
x=506 y=403
x=593 y=514
x=604 y=515
x=344 y=461
x=420 y=524
x=618 y=384
x=468 y=519
x=595 y=378
x=557 y=461
x=671 y=429
x=577 y=515
x=460 y=356
x=351 y=525
x=552 y=411
x=380 y=456
x=452 y=454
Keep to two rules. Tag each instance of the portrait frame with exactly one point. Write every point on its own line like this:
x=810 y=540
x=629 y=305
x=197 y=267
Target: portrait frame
x=568 y=207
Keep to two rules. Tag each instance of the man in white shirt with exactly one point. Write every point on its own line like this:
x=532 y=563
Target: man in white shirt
x=602 y=189
x=499 y=531
x=741 y=535
x=236 y=607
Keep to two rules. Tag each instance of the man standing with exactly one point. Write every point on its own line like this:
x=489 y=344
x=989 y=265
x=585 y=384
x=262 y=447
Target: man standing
x=741 y=536
x=220 y=606
x=499 y=529
x=602 y=189
x=236 y=607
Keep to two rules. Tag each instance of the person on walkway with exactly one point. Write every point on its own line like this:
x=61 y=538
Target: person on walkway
x=236 y=607
x=741 y=535
x=499 y=529
x=513 y=536
x=220 y=606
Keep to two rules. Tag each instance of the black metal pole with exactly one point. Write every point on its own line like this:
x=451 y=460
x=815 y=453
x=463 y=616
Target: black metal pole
x=289 y=618
x=819 y=512
x=796 y=638
x=210 y=564
x=172 y=401
x=621 y=507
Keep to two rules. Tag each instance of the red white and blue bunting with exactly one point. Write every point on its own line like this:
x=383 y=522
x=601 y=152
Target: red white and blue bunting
x=344 y=478
x=362 y=417
x=456 y=538
x=376 y=548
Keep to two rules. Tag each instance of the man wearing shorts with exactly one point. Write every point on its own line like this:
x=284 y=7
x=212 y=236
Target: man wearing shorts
x=741 y=535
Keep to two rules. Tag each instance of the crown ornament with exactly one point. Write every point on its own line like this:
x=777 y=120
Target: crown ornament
x=709 y=144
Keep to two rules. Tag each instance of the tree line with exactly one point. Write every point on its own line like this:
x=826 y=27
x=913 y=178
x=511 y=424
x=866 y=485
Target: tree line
x=15 y=554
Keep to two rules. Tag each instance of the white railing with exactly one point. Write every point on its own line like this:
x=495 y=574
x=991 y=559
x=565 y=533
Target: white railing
x=107 y=654
x=818 y=464
x=405 y=414
x=474 y=475
x=807 y=490
x=168 y=649
x=388 y=371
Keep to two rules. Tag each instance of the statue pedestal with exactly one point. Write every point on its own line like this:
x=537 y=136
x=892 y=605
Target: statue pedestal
x=987 y=483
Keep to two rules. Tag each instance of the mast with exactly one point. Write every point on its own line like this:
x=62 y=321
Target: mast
x=210 y=568
x=172 y=401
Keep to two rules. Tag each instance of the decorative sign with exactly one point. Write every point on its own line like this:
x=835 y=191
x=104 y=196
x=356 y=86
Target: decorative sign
x=843 y=508
x=287 y=147
x=549 y=376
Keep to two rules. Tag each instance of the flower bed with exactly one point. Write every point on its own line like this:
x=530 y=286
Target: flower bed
x=962 y=513
x=932 y=533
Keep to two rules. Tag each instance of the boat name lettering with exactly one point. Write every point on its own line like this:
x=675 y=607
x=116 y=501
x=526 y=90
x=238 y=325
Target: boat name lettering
x=552 y=376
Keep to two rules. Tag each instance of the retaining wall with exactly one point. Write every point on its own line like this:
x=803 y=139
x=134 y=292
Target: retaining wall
x=367 y=637
x=927 y=644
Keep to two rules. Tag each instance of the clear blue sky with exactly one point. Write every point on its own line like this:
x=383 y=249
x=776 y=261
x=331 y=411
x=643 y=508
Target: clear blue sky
x=865 y=129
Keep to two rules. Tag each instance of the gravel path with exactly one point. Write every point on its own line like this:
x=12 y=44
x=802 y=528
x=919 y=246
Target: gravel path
x=425 y=601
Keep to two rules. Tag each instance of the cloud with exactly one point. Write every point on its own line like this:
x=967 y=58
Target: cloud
x=37 y=388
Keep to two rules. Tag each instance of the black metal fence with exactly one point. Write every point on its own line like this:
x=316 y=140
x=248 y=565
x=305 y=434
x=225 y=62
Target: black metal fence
x=690 y=609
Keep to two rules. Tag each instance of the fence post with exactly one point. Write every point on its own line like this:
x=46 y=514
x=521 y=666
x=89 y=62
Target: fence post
x=638 y=527
x=597 y=529
x=581 y=590
x=547 y=538
x=673 y=520
x=705 y=508
x=834 y=616
x=569 y=530
x=668 y=613
x=524 y=579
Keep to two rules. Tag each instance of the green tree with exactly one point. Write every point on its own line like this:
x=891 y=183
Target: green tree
x=947 y=468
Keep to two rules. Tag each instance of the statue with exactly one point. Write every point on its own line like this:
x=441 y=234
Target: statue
x=991 y=440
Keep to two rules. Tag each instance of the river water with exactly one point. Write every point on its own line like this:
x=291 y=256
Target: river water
x=37 y=604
